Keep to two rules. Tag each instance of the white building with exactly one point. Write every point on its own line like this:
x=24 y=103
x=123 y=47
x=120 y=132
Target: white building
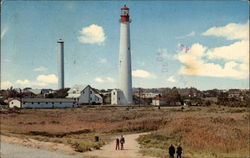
x=15 y=103
x=43 y=103
x=48 y=103
x=150 y=95
x=116 y=96
x=158 y=102
x=85 y=94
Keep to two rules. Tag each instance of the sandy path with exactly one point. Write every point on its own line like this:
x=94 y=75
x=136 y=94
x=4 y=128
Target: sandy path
x=38 y=144
x=19 y=151
x=131 y=149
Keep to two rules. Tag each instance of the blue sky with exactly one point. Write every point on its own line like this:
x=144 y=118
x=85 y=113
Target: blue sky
x=214 y=35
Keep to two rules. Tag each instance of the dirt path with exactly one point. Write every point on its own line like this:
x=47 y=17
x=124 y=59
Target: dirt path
x=20 y=151
x=38 y=144
x=131 y=149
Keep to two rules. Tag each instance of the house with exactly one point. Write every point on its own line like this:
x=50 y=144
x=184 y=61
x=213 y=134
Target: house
x=15 y=103
x=106 y=95
x=157 y=101
x=48 y=103
x=150 y=95
x=85 y=94
x=116 y=95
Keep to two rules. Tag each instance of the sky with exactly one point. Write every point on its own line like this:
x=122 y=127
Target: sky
x=202 y=44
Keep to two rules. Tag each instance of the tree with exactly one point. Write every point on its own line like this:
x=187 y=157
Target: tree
x=172 y=96
x=61 y=93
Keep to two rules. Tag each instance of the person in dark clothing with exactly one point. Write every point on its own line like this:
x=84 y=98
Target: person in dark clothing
x=122 y=141
x=179 y=151
x=171 y=151
x=117 y=146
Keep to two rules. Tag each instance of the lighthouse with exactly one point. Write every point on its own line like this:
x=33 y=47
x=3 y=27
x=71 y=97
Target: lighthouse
x=125 y=77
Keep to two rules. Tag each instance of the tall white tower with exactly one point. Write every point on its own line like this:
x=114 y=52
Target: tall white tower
x=125 y=79
x=60 y=63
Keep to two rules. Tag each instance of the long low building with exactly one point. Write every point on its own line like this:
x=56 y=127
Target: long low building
x=41 y=103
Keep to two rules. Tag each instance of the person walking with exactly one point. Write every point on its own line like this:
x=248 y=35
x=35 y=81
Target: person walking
x=179 y=151
x=117 y=146
x=122 y=141
x=171 y=151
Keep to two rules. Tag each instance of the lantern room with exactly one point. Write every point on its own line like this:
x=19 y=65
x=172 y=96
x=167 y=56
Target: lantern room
x=125 y=14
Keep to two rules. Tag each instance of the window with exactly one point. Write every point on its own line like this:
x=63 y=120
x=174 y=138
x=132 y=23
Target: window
x=52 y=102
x=32 y=103
x=38 y=102
x=60 y=102
x=90 y=92
x=114 y=93
x=12 y=102
x=46 y=102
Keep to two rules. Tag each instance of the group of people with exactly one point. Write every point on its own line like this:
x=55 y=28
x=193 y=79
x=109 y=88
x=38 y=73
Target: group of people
x=171 y=151
x=119 y=141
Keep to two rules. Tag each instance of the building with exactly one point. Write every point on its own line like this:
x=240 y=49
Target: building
x=15 y=103
x=106 y=95
x=150 y=95
x=125 y=76
x=43 y=103
x=116 y=95
x=158 y=101
x=85 y=94
x=60 y=63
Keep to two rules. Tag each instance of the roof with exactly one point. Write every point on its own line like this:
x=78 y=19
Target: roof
x=47 y=100
x=77 y=89
x=35 y=91
x=125 y=7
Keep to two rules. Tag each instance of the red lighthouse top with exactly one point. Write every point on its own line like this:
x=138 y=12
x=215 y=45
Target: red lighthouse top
x=125 y=14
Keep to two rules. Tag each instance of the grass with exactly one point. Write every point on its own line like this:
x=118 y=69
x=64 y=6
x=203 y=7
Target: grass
x=203 y=131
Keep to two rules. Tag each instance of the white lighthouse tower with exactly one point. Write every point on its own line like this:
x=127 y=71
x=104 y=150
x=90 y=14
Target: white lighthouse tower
x=60 y=63
x=125 y=77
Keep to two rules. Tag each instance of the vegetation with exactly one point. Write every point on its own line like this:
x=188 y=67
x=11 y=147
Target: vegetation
x=203 y=131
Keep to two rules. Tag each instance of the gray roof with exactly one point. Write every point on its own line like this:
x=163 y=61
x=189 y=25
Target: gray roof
x=47 y=100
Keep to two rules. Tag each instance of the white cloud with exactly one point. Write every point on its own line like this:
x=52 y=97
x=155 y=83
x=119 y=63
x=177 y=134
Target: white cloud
x=195 y=62
x=23 y=82
x=191 y=34
x=102 y=61
x=41 y=80
x=232 y=31
x=109 y=79
x=142 y=74
x=104 y=80
x=92 y=34
x=40 y=69
x=51 y=78
x=6 y=84
x=171 y=79
x=238 y=51
x=187 y=35
x=234 y=58
x=99 y=79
